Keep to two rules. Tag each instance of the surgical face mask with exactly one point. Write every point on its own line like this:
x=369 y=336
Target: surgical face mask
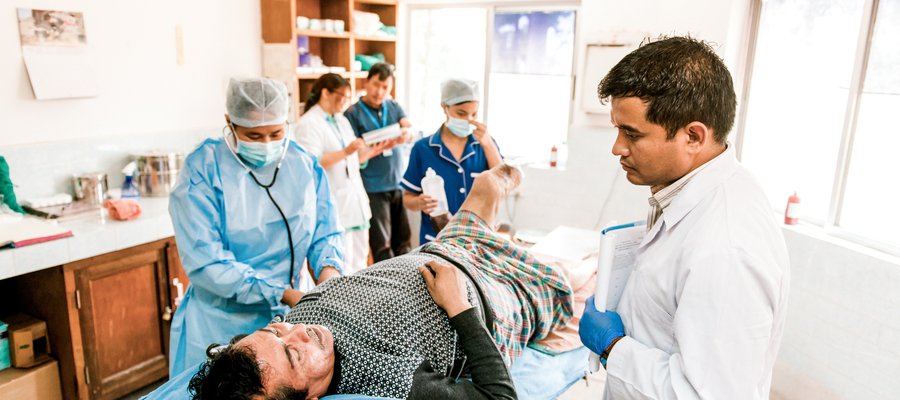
x=460 y=127
x=260 y=154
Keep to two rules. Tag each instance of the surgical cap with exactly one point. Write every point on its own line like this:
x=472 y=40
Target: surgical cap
x=456 y=91
x=257 y=102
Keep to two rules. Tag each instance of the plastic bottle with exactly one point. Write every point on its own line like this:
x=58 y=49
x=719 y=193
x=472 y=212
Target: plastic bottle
x=792 y=211
x=129 y=190
x=554 y=155
x=433 y=185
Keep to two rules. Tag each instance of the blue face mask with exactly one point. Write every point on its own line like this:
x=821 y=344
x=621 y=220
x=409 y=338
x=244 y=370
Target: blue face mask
x=260 y=154
x=460 y=127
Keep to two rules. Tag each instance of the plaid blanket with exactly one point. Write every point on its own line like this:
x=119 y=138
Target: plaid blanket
x=529 y=299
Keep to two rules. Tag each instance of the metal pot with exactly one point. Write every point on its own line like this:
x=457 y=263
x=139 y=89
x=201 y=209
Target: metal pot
x=91 y=187
x=157 y=172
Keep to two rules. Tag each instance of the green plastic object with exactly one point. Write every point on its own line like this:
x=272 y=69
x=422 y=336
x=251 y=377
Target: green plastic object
x=6 y=187
x=390 y=30
x=4 y=345
x=368 y=61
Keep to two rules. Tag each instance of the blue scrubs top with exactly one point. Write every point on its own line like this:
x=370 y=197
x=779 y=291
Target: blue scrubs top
x=382 y=173
x=430 y=152
x=233 y=243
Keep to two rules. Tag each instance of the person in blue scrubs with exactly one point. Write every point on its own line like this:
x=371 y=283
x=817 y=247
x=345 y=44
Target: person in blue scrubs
x=389 y=234
x=248 y=209
x=460 y=150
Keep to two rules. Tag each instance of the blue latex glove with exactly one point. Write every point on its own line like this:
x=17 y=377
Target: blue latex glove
x=598 y=329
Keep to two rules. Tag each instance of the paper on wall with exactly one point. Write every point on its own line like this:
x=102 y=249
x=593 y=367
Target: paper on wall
x=59 y=62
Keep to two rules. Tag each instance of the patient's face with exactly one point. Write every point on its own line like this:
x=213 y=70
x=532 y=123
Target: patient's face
x=298 y=356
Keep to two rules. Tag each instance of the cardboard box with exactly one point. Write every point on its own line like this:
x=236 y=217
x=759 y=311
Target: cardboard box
x=41 y=382
x=4 y=346
x=28 y=344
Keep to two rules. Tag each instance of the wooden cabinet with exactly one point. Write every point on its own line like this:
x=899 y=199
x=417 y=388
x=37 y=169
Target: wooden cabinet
x=337 y=49
x=108 y=317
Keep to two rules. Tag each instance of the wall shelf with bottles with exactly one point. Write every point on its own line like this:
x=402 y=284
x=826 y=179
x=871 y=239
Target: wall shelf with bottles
x=313 y=37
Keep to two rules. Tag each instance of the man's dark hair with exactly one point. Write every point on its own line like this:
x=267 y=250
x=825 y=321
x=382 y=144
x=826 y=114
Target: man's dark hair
x=681 y=79
x=382 y=71
x=234 y=374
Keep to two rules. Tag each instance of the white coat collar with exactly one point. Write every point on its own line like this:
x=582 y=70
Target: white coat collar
x=714 y=173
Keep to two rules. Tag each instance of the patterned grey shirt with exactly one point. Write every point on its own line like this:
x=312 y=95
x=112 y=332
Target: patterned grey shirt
x=385 y=324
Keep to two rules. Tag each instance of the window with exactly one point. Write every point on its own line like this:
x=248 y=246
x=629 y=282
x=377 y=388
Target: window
x=440 y=49
x=526 y=80
x=819 y=113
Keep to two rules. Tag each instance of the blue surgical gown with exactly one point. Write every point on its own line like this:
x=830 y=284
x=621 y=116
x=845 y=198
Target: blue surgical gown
x=233 y=243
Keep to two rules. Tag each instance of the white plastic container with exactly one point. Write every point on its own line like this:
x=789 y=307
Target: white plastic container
x=433 y=185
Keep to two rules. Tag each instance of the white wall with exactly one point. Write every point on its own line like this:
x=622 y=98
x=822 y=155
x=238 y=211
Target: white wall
x=842 y=335
x=142 y=89
x=721 y=22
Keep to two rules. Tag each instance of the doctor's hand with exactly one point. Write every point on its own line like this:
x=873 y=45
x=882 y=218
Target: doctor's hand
x=599 y=329
x=367 y=153
x=291 y=297
x=354 y=146
x=447 y=287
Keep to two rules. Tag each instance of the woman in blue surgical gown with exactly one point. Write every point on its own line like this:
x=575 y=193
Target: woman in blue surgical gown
x=239 y=201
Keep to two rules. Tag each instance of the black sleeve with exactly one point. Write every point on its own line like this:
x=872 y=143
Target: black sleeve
x=490 y=378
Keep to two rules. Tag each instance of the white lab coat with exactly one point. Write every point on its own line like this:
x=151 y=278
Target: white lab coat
x=704 y=308
x=315 y=134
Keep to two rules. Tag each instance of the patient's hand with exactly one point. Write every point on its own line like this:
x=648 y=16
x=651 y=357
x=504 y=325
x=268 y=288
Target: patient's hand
x=447 y=287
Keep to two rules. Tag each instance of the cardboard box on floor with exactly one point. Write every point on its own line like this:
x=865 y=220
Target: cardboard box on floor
x=38 y=383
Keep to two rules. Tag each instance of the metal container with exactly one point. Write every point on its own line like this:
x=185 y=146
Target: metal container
x=157 y=172
x=90 y=188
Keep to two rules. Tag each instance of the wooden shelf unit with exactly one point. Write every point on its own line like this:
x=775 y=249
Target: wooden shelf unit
x=279 y=28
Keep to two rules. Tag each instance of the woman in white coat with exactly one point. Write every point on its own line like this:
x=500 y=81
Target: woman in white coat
x=327 y=134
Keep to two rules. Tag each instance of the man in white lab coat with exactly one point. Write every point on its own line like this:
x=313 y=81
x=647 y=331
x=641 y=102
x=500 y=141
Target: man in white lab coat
x=703 y=312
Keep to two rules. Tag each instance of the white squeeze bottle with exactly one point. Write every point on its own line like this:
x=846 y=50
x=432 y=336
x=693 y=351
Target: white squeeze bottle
x=433 y=185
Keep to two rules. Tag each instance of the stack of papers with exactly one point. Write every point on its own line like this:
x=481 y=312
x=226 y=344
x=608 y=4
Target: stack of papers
x=379 y=135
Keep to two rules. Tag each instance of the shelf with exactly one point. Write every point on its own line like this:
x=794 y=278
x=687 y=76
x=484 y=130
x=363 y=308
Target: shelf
x=382 y=2
x=375 y=38
x=345 y=75
x=323 y=34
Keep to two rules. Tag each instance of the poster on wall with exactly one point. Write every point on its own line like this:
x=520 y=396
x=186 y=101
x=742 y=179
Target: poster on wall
x=59 y=61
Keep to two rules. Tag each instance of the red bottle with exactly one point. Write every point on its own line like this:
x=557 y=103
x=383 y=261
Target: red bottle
x=792 y=212
x=553 y=156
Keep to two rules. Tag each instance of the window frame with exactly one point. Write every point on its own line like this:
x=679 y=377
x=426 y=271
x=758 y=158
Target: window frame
x=492 y=7
x=831 y=225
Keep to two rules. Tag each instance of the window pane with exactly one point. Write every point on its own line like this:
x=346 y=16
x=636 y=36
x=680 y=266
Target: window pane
x=531 y=81
x=871 y=193
x=440 y=49
x=798 y=98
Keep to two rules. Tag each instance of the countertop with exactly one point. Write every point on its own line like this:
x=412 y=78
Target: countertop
x=92 y=236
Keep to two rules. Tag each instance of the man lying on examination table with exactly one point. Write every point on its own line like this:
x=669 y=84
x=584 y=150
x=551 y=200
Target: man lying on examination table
x=408 y=327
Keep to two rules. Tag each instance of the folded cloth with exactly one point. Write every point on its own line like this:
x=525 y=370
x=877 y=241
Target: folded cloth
x=123 y=210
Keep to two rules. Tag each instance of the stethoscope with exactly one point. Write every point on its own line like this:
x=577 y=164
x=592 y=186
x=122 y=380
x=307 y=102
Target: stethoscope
x=287 y=226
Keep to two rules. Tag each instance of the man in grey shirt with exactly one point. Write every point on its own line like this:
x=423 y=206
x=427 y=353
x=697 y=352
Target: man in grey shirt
x=410 y=326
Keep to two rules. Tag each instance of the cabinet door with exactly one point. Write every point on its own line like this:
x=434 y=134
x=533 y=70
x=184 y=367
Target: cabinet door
x=122 y=302
x=174 y=271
